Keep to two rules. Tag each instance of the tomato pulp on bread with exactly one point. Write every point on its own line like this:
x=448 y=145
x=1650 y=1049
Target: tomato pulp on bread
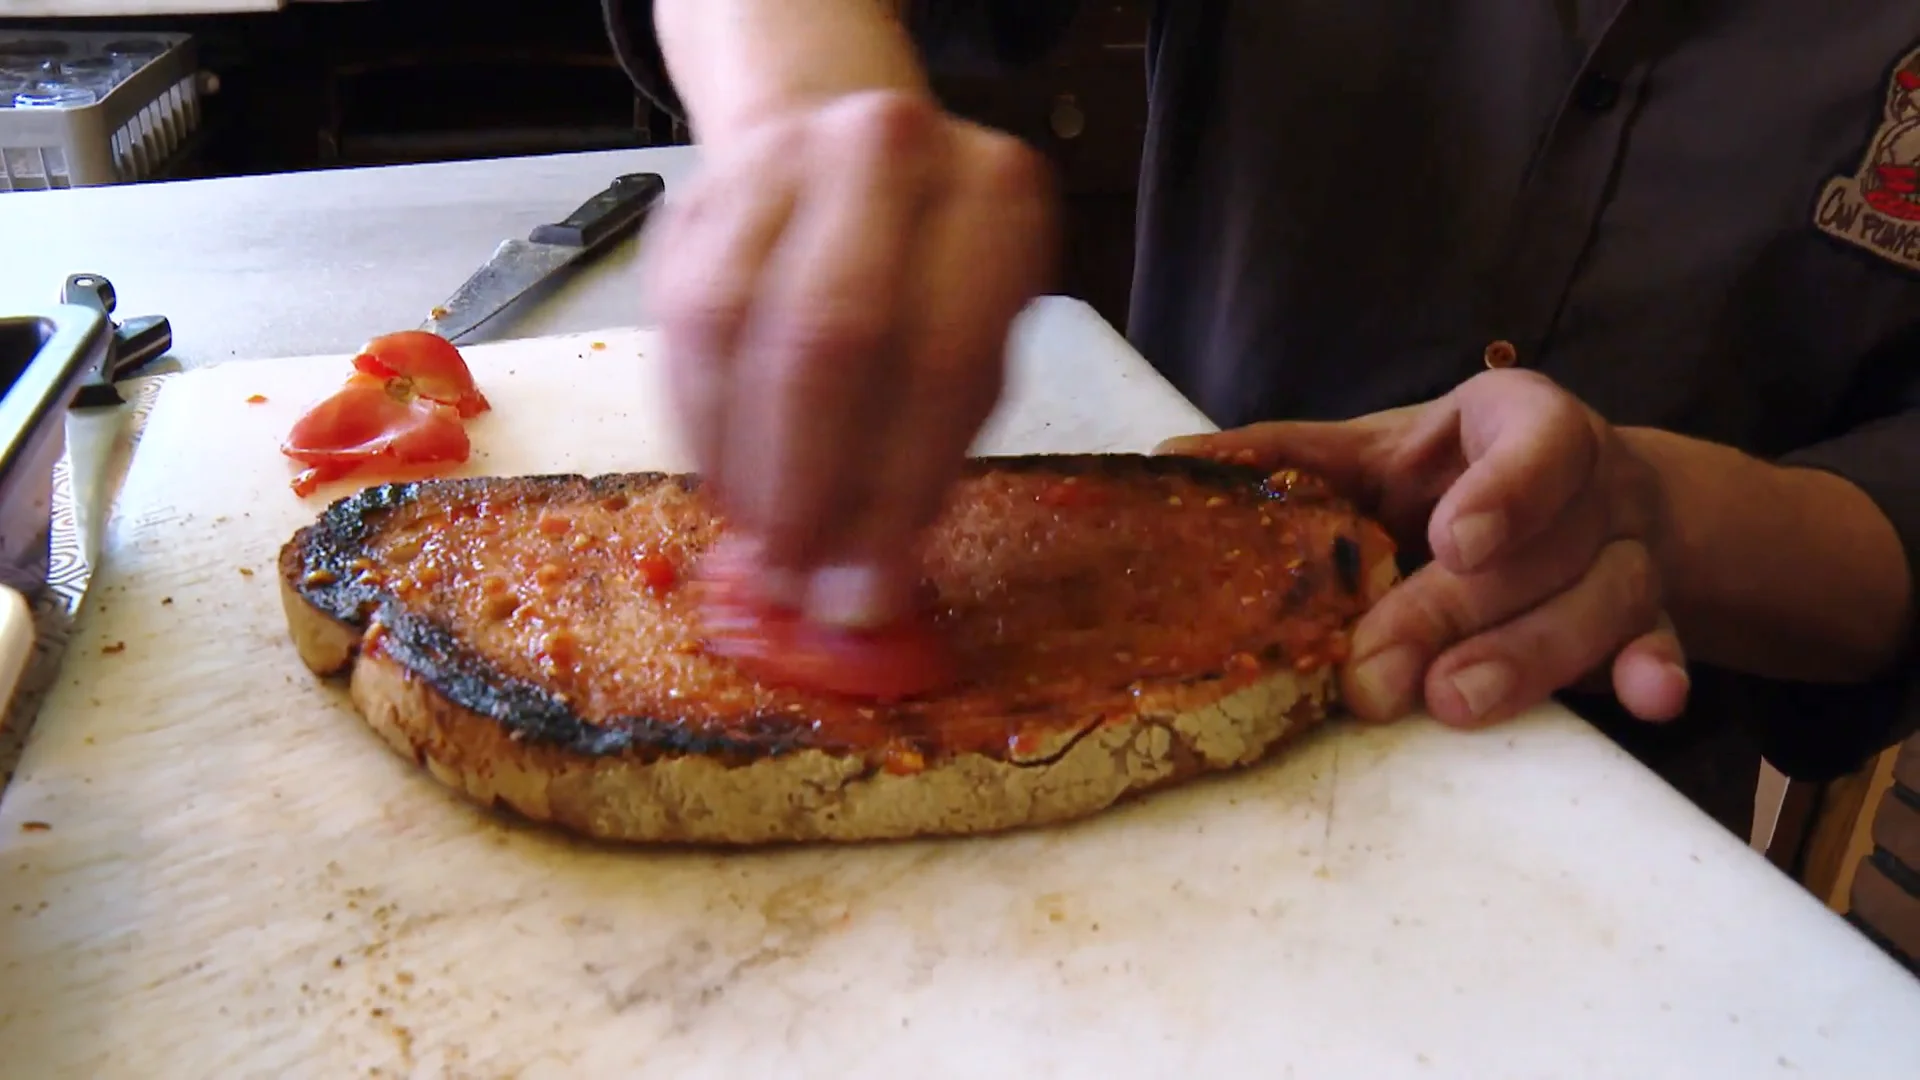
x=1054 y=609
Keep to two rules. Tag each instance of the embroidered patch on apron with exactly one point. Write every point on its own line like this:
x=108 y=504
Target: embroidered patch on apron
x=1878 y=207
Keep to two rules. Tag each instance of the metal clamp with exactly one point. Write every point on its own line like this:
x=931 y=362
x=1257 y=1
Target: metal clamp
x=136 y=342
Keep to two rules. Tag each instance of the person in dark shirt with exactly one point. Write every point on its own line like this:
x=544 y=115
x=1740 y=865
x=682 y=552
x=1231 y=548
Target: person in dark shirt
x=1684 y=235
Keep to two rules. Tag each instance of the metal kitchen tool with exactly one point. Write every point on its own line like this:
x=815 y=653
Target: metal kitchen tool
x=44 y=358
x=518 y=265
x=134 y=343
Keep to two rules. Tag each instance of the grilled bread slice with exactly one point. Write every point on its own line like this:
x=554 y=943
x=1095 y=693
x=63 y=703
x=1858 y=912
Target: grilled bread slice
x=1120 y=622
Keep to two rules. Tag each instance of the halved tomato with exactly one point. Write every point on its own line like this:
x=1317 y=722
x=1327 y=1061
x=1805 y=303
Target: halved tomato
x=429 y=365
x=779 y=646
x=369 y=421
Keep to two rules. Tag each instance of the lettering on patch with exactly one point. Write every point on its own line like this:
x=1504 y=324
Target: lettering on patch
x=1878 y=207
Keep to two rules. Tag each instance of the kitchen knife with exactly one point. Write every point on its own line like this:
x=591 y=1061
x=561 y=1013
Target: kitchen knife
x=519 y=265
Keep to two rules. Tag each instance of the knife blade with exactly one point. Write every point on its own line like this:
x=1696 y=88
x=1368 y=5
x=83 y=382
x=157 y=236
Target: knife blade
x=516 y=266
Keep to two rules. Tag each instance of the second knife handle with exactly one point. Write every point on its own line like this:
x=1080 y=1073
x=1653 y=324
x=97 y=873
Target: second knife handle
x=620 y=207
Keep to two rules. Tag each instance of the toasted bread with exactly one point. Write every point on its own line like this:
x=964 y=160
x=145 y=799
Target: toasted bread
x=1121 y=622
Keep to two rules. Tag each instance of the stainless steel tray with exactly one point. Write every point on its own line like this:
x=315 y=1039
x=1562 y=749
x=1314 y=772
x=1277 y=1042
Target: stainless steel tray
x=44 y=359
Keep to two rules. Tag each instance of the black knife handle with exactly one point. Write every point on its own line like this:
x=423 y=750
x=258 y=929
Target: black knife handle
x=140 y=341
x=613 y=212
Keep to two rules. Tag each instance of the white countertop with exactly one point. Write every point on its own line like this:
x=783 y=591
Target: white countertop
x=251 y=268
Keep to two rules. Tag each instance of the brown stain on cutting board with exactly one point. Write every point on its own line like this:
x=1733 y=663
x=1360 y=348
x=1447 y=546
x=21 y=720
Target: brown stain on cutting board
x=751 y=932
x=370 y=980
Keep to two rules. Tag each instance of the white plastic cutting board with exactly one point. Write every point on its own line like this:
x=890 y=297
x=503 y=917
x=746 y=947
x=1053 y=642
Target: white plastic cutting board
x=208 y=868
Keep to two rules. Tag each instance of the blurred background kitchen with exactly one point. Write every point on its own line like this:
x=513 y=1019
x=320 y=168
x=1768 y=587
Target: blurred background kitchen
x=271 y=85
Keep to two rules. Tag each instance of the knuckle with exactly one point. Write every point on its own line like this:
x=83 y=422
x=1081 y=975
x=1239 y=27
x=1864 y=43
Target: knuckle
x=761 y=148
x=1516 y=379
x=885 y=122
x=1565 y=410
x=1633 y=582
x=1567 y=416
x=1006 y=168
x=703 y=319
x=1437 y=613
x=795 y=380
x=1590 y=438
x=1537 y=381
x=837 y=335
x=1545 y=397
x=699 y=300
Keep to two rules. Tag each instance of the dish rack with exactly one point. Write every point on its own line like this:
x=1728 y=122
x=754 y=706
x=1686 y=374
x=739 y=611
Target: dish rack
x=82 y=109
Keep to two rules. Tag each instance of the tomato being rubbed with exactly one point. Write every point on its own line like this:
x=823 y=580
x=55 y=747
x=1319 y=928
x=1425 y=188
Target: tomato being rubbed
x=779 y=646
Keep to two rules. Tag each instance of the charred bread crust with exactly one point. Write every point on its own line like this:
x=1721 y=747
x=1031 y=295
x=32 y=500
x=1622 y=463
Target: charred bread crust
x=507 y=741
x=815 y=795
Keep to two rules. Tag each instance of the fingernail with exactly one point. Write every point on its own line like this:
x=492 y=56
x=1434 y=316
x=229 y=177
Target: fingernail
x=1384 y=684
x=851 y=597
x=1477 y=536
x=1484 y=685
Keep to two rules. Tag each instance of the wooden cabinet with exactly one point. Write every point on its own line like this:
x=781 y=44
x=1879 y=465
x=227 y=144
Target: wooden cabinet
x=1884 y=899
